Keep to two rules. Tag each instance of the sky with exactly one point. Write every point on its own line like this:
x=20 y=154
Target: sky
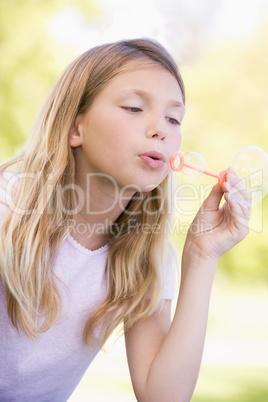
x=177 y=24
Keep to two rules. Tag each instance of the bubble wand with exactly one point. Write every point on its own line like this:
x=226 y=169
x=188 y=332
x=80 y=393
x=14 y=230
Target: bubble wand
x=250 y=165
x=177 y=163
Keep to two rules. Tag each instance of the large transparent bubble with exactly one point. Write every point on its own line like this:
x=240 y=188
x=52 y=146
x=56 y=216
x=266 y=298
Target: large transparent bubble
x=251 y=165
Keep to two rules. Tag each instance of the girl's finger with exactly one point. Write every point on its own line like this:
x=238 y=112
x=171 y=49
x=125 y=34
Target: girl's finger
x=237 y=189
x=238 y=213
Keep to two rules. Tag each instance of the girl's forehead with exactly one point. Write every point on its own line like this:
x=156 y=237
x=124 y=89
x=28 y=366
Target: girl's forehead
x=142 y=72
x=151 y=75
x=141 y=75
x=143 y=64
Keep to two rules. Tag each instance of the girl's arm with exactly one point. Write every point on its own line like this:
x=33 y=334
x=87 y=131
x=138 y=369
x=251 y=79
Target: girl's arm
x=164 y=359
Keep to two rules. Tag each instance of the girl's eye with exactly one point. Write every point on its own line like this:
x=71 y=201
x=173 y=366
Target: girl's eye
x=173 y=121
x=132 y=109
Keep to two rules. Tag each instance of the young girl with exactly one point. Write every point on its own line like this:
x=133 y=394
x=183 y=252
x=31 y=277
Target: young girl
x=85 y=241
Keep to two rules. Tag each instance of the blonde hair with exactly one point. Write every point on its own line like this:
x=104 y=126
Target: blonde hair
x=30 y=238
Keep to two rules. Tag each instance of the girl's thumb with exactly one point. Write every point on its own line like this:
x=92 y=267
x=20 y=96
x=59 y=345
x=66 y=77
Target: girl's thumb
x=212 y=202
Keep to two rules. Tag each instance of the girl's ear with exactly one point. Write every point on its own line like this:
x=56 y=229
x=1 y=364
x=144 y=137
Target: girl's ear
x=75 y=135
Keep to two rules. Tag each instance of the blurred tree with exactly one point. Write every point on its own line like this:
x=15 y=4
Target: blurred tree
x=30 y=60
x=227 y=98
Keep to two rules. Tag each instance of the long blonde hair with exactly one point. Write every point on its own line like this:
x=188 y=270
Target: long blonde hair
x=31 y=234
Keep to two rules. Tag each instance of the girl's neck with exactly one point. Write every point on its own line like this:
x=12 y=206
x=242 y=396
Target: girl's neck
x=101 y=207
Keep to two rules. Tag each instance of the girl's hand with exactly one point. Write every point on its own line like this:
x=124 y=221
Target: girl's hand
x=216 y=230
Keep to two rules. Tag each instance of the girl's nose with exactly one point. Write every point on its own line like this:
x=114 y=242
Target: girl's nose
x=157 y=130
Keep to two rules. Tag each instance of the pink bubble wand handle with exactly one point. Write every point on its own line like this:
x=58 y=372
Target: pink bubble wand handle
x=177 y=167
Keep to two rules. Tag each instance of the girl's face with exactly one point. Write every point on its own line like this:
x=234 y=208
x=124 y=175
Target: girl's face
x=132 y=128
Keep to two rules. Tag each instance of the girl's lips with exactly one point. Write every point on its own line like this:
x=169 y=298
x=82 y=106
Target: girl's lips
x=152 y=163
x=153 y=159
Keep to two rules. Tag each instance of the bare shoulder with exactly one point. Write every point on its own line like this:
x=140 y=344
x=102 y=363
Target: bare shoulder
x=143 y=340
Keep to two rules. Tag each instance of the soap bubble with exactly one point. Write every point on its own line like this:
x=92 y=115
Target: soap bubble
x=195 y=159
x=251 y=165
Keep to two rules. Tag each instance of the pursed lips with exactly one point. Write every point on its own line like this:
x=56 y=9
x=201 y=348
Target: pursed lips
x=153 y=159
x=154 y=155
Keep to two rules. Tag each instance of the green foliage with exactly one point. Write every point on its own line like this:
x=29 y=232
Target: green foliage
x=30 y=61
x=232 y=384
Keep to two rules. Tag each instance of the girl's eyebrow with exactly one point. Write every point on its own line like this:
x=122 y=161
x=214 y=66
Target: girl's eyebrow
x=147 y=96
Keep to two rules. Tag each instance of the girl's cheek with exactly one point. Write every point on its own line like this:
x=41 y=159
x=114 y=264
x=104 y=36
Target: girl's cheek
x=180 y=138
x=176 y=144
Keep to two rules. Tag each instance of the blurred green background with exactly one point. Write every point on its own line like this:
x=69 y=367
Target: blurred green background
x=222 y=50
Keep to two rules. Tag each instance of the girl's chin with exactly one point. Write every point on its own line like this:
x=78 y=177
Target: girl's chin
x=141 y=182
